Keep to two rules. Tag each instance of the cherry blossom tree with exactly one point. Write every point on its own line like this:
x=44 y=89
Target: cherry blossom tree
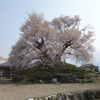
x=47 y=42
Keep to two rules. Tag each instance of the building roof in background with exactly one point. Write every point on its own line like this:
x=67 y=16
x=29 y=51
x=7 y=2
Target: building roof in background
x=3 y=60
x=5 y=64
x=89 y=66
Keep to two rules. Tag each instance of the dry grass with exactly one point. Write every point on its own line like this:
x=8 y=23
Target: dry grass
x=23 y=92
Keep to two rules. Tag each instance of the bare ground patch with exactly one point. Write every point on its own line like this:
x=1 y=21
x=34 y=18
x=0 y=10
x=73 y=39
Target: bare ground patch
x=23 y=92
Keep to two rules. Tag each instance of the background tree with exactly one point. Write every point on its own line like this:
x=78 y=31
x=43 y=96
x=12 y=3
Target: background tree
x=48 y=42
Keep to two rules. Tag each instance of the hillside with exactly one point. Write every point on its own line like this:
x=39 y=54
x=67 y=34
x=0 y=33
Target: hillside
x=59 y=70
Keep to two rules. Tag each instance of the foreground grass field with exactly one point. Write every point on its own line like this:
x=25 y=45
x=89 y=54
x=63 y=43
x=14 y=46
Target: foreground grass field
x=23 y=92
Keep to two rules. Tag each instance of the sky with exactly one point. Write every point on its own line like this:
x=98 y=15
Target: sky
x=14 y=12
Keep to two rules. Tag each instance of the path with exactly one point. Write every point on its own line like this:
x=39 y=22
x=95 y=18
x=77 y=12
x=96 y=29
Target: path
x=23 y=92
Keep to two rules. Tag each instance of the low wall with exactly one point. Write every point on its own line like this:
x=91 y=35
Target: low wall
x=83 y=95
x=3 y=78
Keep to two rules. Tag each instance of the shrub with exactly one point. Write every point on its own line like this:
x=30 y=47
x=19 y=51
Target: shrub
x=80 y=76
x=39 y=75
x=47 y=73
x=56 y=75
x=91 y=80
x=89 y=76
x=91 y=71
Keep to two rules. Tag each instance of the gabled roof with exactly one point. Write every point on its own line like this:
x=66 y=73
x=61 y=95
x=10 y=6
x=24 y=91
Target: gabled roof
x=5 y=64
x=89 y=66
x=1 y=61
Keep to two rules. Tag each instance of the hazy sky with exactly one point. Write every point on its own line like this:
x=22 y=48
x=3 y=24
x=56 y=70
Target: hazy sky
x=14 y=12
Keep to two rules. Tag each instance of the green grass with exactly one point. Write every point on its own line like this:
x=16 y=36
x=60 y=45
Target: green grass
x=59 y=69
x=91 y=80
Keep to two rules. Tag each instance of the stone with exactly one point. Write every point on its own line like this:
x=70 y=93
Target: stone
x=69 y=79
x=54 y=80
x=46 y=98
x=30 y=99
